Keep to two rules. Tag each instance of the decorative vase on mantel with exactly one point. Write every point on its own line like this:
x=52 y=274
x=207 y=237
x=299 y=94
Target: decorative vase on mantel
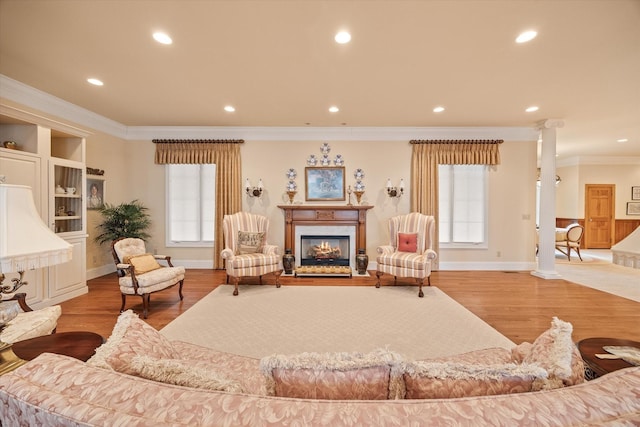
x=358 y=196
x=362 y=262
x=288 y=261
x=291 y=195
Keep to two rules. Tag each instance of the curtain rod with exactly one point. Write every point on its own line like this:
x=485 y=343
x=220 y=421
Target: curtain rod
x=456 y=141
x=198 y=141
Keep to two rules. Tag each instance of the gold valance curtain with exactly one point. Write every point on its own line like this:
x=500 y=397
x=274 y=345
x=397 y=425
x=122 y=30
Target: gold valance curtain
x=225 y=154
x=425 y=158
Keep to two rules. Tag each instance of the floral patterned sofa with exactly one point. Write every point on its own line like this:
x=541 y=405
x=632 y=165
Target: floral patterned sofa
x=138 y=378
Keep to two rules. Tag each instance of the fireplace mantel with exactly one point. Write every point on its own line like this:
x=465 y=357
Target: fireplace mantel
x=319 y=215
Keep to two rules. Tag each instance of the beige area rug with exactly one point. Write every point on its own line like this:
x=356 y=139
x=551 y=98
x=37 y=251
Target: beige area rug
x=575 y=260
x=264 y=320
x=603 y=276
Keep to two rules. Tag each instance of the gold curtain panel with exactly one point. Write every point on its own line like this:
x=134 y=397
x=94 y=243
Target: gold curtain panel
x=193 y=151
x=461 y=152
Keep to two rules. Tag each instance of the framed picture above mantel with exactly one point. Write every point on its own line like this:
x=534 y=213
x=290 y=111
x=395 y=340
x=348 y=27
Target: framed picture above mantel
x=324 y=183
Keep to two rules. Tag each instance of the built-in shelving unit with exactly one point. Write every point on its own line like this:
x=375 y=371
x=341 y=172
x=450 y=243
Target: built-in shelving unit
x=49 y=157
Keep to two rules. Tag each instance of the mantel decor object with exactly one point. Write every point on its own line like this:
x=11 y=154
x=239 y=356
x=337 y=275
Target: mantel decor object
x=362 y=261
x=288 y=261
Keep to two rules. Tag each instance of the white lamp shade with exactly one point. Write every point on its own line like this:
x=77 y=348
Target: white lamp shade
x=26 y=243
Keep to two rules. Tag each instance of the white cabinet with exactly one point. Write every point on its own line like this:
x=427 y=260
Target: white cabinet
x=69 y=280
x=51 y=160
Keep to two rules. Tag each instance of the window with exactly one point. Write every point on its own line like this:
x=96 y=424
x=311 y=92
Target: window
x=462 y=204
x=191 y=205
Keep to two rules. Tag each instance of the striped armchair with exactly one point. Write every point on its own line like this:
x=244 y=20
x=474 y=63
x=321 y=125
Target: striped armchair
x=409 y=252
x=246 y=251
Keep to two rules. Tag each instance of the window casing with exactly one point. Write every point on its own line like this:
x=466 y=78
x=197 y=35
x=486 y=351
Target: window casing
x=190 y=205
x=462 y=206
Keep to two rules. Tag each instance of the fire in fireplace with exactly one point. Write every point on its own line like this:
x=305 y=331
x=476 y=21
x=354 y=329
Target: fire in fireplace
x=324 y=250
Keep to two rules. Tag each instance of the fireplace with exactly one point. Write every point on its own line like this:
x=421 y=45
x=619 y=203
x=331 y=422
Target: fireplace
x=342 y=228
x=324 y=250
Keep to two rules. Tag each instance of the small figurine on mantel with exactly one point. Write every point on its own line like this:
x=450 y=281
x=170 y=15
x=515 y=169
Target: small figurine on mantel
x=349 y=191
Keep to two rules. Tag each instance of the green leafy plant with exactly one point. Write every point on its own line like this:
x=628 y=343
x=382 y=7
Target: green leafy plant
x=124 y=220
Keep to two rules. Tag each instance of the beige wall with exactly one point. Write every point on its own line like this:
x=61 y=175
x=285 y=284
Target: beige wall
x=132 y=174
x=570 y=192
x=108 y=153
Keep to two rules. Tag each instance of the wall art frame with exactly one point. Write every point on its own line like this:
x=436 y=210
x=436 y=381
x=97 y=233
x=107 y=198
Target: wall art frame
x=633 y=208
x=95 y=192
x=635 y=192
x=324 y=183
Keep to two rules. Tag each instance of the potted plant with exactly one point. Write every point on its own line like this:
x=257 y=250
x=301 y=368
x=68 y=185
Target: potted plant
x=124 y=220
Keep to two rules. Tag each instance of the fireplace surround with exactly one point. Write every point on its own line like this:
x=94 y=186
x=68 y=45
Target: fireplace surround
x=325 y=222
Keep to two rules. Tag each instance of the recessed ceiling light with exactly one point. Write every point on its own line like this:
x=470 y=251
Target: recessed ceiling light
x=622 y=140
x=95 y=82
x=438 y=109
x=333 y=109
x=526 y=36
x=343 y=37
x=229 y=108
x=161 y=37
x=531 y=109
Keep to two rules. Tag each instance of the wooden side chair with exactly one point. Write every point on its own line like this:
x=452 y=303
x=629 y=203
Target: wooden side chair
x=141 y=274
x=572 y=239
x=28 y=323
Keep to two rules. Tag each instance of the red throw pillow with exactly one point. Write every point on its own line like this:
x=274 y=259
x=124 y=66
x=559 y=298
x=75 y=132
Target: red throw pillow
x=408 y=242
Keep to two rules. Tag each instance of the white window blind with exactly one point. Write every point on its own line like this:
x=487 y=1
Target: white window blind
x=190 y=204
x=462 y=204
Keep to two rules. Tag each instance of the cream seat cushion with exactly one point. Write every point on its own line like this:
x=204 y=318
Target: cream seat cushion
x=31 y=324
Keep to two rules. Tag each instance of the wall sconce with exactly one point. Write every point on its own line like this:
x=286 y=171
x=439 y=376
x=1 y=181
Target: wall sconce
x=395 y=191
x=253 y=191
x=538 y=181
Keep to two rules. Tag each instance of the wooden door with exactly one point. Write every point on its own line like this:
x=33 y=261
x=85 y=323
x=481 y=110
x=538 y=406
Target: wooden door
x=599 y=215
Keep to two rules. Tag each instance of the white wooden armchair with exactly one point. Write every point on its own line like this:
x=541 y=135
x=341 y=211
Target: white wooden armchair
x=29 y=323
x=246 y=251
x=409 y=252
x=140 y=273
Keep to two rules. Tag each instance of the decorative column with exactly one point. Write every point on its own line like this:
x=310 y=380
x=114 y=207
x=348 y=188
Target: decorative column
x=546 y=233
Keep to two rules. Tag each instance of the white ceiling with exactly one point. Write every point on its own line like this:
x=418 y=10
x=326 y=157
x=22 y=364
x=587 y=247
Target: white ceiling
x=277 y=63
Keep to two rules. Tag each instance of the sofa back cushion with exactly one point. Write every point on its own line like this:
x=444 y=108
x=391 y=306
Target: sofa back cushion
x=184 y=373
x=555 y=351
x=334 y=376
x=131 y=337
x=441 y=380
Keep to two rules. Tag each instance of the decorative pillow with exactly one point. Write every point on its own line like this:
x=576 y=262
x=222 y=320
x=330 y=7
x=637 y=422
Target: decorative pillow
x=142 y=263
x=181 y=372
x=408 y=242
x=555 y=351
x=442 y=380
x=335 y=376
x=131 y=337
x=249 y=242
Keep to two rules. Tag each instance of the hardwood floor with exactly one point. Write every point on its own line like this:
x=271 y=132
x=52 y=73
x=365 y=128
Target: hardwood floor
x=517 y=304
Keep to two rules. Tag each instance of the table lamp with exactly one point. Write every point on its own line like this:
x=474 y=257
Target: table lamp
x=26 y=243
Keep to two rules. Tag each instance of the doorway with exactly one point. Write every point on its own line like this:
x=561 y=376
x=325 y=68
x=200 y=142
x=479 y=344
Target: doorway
x=599 y=218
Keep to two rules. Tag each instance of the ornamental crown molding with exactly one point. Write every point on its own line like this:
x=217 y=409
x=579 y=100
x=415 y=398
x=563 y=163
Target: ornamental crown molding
x=30 y=97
